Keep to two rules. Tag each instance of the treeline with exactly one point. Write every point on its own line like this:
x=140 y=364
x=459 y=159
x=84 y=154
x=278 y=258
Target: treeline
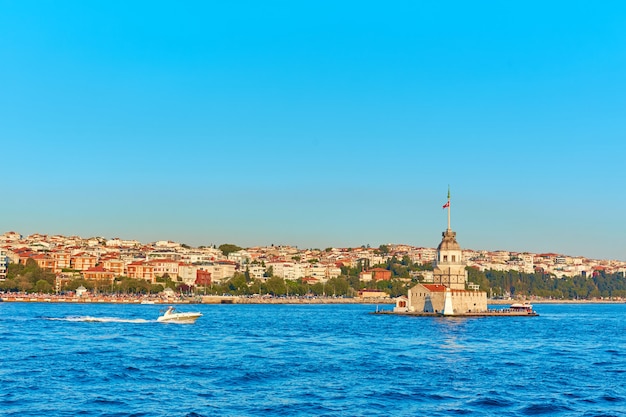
x=404 y=274
x=30 y=278
x=514 y=283
x=342 y=286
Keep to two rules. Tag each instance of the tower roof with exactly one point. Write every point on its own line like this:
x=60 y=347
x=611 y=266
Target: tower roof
x=449 y=241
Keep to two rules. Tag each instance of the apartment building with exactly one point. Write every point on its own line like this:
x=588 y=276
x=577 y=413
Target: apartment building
x=164 y=254
x=45 y=261
x=99 y=273
x=256 y=271
x=165 y=266
x=323 y=272
x=62 y=258
x=240 y=257
x=4 y=264
x=141 y=270
x=288 y=270
x=222 y=270
x=117 y=266
x=83 y=261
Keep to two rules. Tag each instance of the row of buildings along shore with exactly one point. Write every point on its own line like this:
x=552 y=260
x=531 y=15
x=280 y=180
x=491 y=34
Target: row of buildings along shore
x=103 y=259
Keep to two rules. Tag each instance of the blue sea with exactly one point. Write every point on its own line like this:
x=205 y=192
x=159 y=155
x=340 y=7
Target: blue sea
x=309 y=360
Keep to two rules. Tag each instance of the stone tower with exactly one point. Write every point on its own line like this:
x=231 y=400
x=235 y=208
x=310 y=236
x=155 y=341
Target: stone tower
x=449 y=268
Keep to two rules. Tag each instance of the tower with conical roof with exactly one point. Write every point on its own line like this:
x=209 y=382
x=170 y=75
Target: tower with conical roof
x=449 y=267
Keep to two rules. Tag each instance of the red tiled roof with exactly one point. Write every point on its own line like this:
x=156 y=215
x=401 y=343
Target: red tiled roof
x=97 y=269
x=435 y=287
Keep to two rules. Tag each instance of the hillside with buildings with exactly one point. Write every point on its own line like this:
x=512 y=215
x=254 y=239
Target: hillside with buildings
x=101 y=260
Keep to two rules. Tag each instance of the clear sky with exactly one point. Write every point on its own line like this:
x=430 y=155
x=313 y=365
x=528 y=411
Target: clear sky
x=317 y=123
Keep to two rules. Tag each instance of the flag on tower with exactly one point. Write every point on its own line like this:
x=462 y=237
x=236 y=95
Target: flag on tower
x=446 y=205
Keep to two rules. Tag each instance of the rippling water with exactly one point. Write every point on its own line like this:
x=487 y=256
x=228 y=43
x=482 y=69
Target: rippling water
x=309 y=360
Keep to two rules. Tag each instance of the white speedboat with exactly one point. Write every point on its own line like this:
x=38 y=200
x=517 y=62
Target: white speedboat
x=173 y=316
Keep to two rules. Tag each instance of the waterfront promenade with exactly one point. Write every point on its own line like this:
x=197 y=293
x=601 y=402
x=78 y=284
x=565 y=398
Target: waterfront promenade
x=204 y=299
x=215 y=299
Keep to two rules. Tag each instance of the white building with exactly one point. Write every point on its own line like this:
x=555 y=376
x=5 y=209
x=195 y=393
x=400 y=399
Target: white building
x=256 y=271
x=117 y=242
x=288 y=270
x=319 y=271
x=4 y=264
x=10 y=237
x=449 y=294
x=164 y=254
x=220 y=271
x=187 y=273
x=240 y=257
x=201 y=257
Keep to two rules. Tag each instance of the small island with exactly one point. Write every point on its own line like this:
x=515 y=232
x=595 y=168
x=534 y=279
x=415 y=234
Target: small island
x=450 y=294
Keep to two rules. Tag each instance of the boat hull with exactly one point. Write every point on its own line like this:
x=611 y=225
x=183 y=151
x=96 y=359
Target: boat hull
x=181 y=318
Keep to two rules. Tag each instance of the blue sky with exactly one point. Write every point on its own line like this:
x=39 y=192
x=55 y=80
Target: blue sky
x=317 y=123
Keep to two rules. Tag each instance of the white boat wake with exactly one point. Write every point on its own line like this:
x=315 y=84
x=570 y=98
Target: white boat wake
x=100 y=319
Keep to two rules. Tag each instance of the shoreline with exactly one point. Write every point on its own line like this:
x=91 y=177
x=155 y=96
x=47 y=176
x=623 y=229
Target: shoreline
x=210 y=299
x=206 y=299
x=539 y=301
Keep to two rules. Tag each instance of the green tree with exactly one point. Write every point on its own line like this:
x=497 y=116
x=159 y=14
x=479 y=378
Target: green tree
x=238 y=285
x=398 y=287
x=318 y=288
x=228 y=248
x=42 y=286
x=155 y=288
x=256 y=287
x=478 y=277
x=337 y=286
x=276 y=286
x=24 y=277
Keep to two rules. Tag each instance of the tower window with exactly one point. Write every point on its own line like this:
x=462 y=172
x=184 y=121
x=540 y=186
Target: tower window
x=445 y=258
x=453 y=258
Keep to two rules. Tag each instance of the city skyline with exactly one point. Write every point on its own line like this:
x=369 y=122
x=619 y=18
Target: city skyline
x=121 y=242
x=317 y=124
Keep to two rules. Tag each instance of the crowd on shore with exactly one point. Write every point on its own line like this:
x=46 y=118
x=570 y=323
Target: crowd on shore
x=227 y=299
x=103 y=298
x=185 y=299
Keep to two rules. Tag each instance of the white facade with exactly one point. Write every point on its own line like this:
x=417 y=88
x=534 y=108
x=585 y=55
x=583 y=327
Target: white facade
x=318 y=271
x=10 y=237
x=163 y=266
x=4 y=264
x=187 y=273
x=166 y=244
x=200 y=257
x=117 y=242
x=240 y=257
x=219 y=272
x=164 y=255
x=256 y=271
x=288 y=270
x=365 y=276
x=421 y=255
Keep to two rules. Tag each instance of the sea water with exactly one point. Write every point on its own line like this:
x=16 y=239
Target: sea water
x=309 y=360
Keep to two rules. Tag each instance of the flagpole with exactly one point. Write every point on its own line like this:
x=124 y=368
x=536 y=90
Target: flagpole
x=449 y=207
